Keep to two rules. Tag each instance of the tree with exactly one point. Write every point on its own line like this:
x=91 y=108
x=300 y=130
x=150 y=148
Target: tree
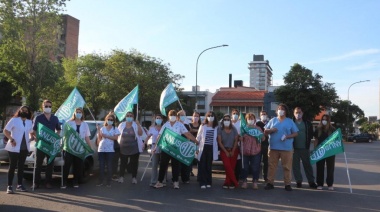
x=305 y=90
x=6 y=90
x=29 y=31
x=339 y=114
x=370 y=127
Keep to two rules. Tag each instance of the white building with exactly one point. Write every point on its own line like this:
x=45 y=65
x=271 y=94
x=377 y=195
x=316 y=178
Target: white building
x=260 y=76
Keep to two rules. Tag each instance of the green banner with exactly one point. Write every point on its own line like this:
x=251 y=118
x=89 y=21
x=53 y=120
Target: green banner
x=66 y=110
x=168 y=96
x=126 y=104
x=244 y=129
x=48 y=141
x=331 y=146
x=177 y=146
x=74 y=145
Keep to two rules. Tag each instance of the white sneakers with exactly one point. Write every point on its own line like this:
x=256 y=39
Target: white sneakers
x=134 y=181
x=121 y=180
x=331 y=188
x=159 y=185
x=319 y=188
x=176 y=185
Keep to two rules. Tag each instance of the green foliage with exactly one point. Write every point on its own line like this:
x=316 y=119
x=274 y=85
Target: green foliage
x=339 y=114
x=370 y=127
x=29 y=40
x=305 y=90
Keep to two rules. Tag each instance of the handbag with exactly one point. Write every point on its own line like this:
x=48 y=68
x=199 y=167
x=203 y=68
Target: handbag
x=250 y=145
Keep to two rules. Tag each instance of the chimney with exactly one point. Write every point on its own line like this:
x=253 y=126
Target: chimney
x=230 y=80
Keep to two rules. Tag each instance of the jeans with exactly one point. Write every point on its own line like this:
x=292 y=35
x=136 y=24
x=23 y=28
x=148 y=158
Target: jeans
x=205 y=166
x=77 y=168
x=330 y=166
x=251 y=163
x=16 y=160
x=229 y=164
x=286 y=162
x=40 y=156
x=134 y=163
x=304 y=155
x=105 y=158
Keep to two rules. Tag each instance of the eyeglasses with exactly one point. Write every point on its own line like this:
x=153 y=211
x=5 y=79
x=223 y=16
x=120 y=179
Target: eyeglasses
x=110 y=119
x=47 y=106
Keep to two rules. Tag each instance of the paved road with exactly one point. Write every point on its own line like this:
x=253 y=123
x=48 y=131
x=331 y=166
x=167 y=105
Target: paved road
x=364 y=169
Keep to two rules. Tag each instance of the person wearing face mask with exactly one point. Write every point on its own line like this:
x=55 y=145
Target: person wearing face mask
x=236 y=122
x=78 y=124
x=301 y=146
x=227 y=140
x=194 y=127
x=264 y=144
x=106 y=137
x=281 y=131
x=131 y=145
x=180 y=129
x=18 y=131
x=153 y=132
x=50 y=121
x=184 y=170
x=251 y=162
x=208 y=149
x=323 y=131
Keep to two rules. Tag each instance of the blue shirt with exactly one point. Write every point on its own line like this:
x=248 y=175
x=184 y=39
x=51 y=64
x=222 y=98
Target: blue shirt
x=52 y=124
x=286 y=127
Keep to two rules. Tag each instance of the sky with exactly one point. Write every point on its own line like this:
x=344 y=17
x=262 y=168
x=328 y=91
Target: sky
x=339 y=39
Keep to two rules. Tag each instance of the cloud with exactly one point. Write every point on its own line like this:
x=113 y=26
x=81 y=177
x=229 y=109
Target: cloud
x=367 y=65
x=349 y=55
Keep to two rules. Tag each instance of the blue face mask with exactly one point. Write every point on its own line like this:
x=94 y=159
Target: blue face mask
x=78 y=115
x=129 y=119
x=182 y=118
x=109 y=122
x=158 y=121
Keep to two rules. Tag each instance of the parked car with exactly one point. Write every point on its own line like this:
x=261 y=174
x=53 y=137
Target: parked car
x=362 y=137
x=3 y=153
x=90 y=163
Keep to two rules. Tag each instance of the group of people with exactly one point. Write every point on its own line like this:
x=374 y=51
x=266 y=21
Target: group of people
x=278 y=138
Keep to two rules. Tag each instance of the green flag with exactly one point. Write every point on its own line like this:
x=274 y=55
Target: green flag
x=74 y=145
x=66 y=110
x=177 y=146
x=331 y=146
x=126 y=104
x=244 y=129
x=48 y=141
x=168 y=96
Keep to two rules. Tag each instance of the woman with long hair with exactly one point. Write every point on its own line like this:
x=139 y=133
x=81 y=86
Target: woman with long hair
x=18 y=131
x=106 y=137
x=227 y=140
x=208 y=149
x=323 y=131
x=78 y=124
x=194 y=128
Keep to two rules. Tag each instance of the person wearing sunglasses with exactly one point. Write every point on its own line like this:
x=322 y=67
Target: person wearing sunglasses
x=50 y=121
x=17 y=131
x=208 y=149
x=106 y=137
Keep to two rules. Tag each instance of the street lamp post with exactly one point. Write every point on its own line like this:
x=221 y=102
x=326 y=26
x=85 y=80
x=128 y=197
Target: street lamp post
x=348 y=105
x=196 y=74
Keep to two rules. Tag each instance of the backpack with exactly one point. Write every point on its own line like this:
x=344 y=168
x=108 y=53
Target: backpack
x=250 y=145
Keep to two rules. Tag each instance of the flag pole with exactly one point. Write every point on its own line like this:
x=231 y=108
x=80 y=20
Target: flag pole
x=180 y=104
x=137 y=112
x=150 y=159
x=91 y=113
x=348 y=173
x=34 y=169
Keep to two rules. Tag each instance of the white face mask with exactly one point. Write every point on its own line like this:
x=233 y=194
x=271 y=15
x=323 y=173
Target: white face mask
x=47 y=110
x=324 y=122
x=195 y=119
x=226 y=123
x=263 y=117
x=210 y=119
x=281 y=112
x=172 y=118
x=298 y=116
x=251 y=122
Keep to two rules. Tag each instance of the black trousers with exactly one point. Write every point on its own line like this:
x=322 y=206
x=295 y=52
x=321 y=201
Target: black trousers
x=77 y=168
x=133 y=162
x=16 y=160
x=185 y=172
x=115 y=161
x=164 y=163
x=49 y=167
x=205 y=166
x=264 y=158
x=330 y=166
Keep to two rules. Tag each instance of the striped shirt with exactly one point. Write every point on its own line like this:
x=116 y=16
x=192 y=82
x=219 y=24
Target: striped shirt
x=209 y=136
